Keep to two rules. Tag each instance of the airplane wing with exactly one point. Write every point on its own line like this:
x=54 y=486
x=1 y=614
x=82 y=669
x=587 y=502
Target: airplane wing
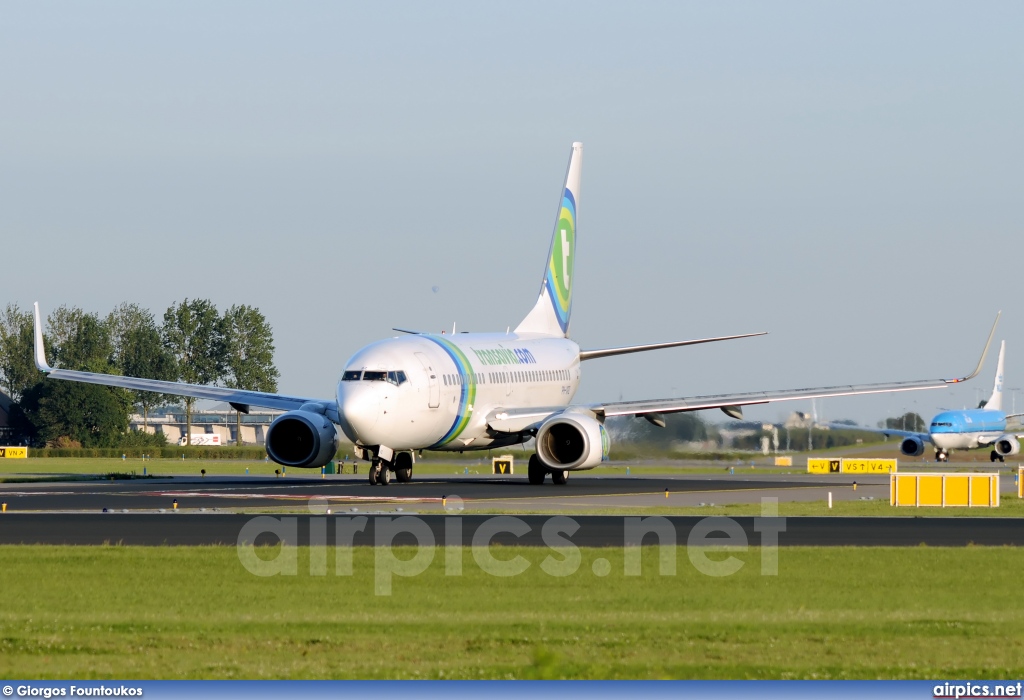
x=925 y=437
x=736 y=401
x=521 y=420
x=731 y=403
x=239 y=398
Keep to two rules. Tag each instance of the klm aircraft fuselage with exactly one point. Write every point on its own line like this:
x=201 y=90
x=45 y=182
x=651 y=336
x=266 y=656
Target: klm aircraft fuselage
x=966 y=430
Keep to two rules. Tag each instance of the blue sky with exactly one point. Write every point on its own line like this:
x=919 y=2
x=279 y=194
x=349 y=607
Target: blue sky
x=847 y=177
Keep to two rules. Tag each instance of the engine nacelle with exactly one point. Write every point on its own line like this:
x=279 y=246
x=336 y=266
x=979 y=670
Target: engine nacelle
x=1007 y=445
x=572 y=441
x=912 y=447
x=302 y=439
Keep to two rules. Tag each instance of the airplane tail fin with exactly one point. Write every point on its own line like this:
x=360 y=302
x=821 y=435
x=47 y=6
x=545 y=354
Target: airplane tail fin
x=995 y=402
x=550 y=315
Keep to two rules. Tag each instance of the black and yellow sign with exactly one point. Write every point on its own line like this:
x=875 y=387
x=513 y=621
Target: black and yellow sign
x=501 y=465
x=823 y=466
x=13 y=452
x=850 y=466
x=869 y=466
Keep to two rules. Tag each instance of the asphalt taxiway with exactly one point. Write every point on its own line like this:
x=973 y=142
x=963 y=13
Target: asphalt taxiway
x=221 y=510
x=430 y=494
x=355 y=529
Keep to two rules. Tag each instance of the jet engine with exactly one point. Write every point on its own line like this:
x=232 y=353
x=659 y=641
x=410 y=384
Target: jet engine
x=1007 y=445
x=572 y=441
x=303 y=438
x=912 y=446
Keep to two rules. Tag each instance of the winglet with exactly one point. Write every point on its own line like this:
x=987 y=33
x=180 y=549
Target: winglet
x=984 y=352
x=40 y=351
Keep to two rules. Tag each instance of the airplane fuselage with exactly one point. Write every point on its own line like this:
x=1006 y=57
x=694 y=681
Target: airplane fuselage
x=966 y=430
x=437 y=391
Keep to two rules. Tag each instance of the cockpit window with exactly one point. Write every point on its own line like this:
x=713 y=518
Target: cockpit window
x=396 y=377
x=351 y=376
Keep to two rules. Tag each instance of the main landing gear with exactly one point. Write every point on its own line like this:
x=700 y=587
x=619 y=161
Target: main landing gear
x=380 y=469
x=941 y=456
x=537 y=471
x=995 y=455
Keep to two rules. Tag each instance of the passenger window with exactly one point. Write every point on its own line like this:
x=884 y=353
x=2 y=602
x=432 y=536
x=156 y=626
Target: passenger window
x=351 y=376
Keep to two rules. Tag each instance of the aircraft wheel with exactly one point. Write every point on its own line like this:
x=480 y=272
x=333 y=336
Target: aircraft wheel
x=403 y=467
x=1001 y=460
x=536 y=470
x=560 y=476
x=994 y=456
x=384 y=476
x=374 y=471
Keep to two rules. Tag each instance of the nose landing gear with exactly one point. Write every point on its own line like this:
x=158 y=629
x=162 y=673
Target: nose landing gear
x=941 y=455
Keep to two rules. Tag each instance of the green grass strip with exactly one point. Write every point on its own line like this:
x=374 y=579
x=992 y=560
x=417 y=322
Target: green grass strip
x=170 y=612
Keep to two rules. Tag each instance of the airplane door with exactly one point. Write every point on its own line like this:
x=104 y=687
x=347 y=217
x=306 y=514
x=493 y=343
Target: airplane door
x=434 y=396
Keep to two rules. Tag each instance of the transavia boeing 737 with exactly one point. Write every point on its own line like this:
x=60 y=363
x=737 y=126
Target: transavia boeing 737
x=968 y=429
x=472 y=391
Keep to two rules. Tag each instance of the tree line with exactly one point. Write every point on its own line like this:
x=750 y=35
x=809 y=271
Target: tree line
x=194 y=343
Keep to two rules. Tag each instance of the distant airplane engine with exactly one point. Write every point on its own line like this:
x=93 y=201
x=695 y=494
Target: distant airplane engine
x=572 y=441
x=302 y=438
x=1007 y=445
x=912 y=447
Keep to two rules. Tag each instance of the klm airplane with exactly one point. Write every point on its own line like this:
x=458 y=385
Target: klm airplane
x=969 y=429
x=472 y=391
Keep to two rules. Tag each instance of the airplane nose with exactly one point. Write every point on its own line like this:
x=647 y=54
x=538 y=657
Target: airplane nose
x=359 y=409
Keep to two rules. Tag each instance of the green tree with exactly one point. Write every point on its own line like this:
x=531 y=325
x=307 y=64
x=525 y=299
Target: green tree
x=192 y=334
x=249 y=354
x=17 y=366
x=89 y=414
x=79 y=340
x=908 y=421
x=138 y=351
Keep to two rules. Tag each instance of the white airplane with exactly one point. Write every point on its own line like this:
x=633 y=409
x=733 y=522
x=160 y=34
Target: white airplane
x=472 y=391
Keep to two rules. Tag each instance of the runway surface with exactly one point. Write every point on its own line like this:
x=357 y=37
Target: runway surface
x=528 y=530
x=221 y=510
x=426 y=494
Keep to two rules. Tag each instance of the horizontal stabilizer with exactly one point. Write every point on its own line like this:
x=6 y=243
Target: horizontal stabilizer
x=608 y=352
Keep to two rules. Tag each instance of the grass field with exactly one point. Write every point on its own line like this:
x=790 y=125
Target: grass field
x=123 y=612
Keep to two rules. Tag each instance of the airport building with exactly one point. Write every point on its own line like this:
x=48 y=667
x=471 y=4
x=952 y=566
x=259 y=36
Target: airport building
x=219 y=420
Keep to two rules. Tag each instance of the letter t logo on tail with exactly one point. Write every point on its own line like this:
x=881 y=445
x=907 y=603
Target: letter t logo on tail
x=566 y=252
x=550 y=315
